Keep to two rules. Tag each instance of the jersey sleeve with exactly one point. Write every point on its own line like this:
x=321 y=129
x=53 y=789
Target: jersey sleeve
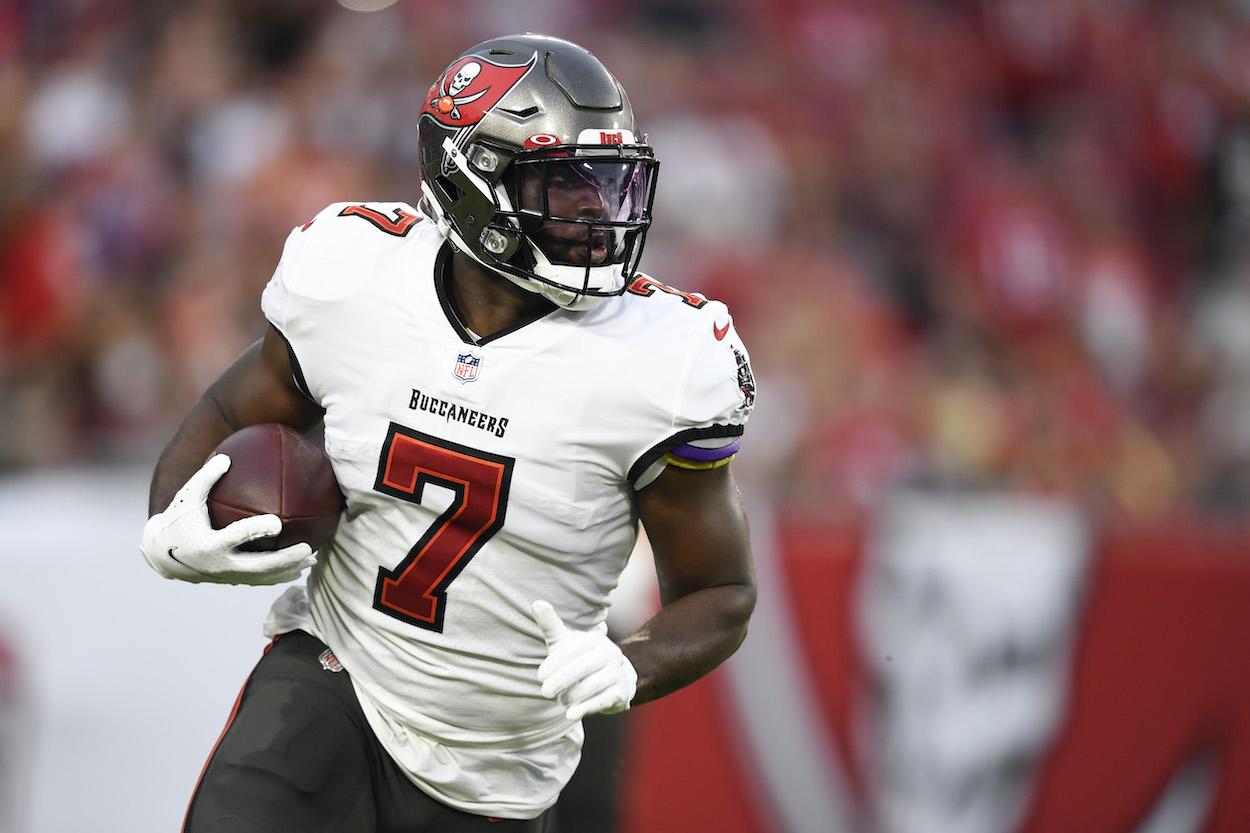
x=311 y=267
x=713 y=402
x=324 y=261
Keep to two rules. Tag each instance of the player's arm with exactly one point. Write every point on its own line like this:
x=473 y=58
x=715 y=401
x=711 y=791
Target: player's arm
x=697 y=528
x=179 y=541
x=258 y=387
x=698 y=531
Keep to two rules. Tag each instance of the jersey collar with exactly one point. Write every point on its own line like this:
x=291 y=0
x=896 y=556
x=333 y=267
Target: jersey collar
x=446 y=298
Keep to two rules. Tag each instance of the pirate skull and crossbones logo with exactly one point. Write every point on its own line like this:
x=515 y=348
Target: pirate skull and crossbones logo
x=449 y=93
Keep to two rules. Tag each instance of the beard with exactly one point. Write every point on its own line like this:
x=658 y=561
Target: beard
x=573 y=244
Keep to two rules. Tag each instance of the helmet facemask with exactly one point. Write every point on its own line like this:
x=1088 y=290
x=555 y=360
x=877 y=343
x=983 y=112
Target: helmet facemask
x=580 y=213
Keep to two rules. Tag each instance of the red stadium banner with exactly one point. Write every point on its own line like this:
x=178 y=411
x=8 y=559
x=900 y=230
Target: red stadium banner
x=1128 y=713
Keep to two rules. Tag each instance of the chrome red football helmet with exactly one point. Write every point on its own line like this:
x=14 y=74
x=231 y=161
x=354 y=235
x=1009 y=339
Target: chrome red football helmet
x=532 y=164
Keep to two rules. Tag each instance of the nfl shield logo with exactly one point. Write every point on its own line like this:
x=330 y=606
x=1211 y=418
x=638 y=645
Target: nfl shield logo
x=467 y=365
x=330 y=662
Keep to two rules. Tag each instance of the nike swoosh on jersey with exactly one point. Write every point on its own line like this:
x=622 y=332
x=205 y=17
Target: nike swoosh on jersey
x=720 y=332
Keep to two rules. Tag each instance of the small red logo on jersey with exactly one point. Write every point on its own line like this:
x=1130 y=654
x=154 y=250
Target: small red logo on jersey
x=330 y=662
x=720 y=332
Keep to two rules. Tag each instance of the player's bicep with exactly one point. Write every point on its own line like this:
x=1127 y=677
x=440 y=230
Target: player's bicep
x=697 y=528
x=263 y=386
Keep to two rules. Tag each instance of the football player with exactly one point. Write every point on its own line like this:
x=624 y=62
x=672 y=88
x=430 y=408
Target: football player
x=504 y=398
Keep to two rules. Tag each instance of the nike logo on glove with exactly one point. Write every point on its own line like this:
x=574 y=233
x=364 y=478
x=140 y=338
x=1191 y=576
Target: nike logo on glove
x=175 y=558
x=720 y=332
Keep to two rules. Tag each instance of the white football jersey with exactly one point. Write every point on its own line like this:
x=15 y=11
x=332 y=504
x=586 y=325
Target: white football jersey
x=481 y=476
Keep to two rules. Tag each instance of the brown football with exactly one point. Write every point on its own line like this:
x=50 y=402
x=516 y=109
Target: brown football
x=274 y=469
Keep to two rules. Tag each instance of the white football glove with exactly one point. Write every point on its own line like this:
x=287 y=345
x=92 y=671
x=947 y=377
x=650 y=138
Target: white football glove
x=181 y=543
x=584 y=670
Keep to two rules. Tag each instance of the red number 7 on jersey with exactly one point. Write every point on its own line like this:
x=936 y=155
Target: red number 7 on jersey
x=416 y=590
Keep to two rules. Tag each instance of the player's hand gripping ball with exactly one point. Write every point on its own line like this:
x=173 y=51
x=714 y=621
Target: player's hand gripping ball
x=274 y=469
x=269 y=490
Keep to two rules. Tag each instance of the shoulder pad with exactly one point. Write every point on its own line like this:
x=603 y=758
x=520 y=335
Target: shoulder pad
x=326 y=257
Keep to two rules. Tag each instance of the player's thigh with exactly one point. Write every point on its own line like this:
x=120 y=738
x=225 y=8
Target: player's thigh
x=296 y=755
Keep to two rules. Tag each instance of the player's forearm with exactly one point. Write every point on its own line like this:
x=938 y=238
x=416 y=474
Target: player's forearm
x=201 y=431
x=688 y=638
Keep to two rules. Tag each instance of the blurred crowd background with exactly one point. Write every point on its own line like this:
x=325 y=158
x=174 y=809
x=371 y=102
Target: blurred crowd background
x=980 y=243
